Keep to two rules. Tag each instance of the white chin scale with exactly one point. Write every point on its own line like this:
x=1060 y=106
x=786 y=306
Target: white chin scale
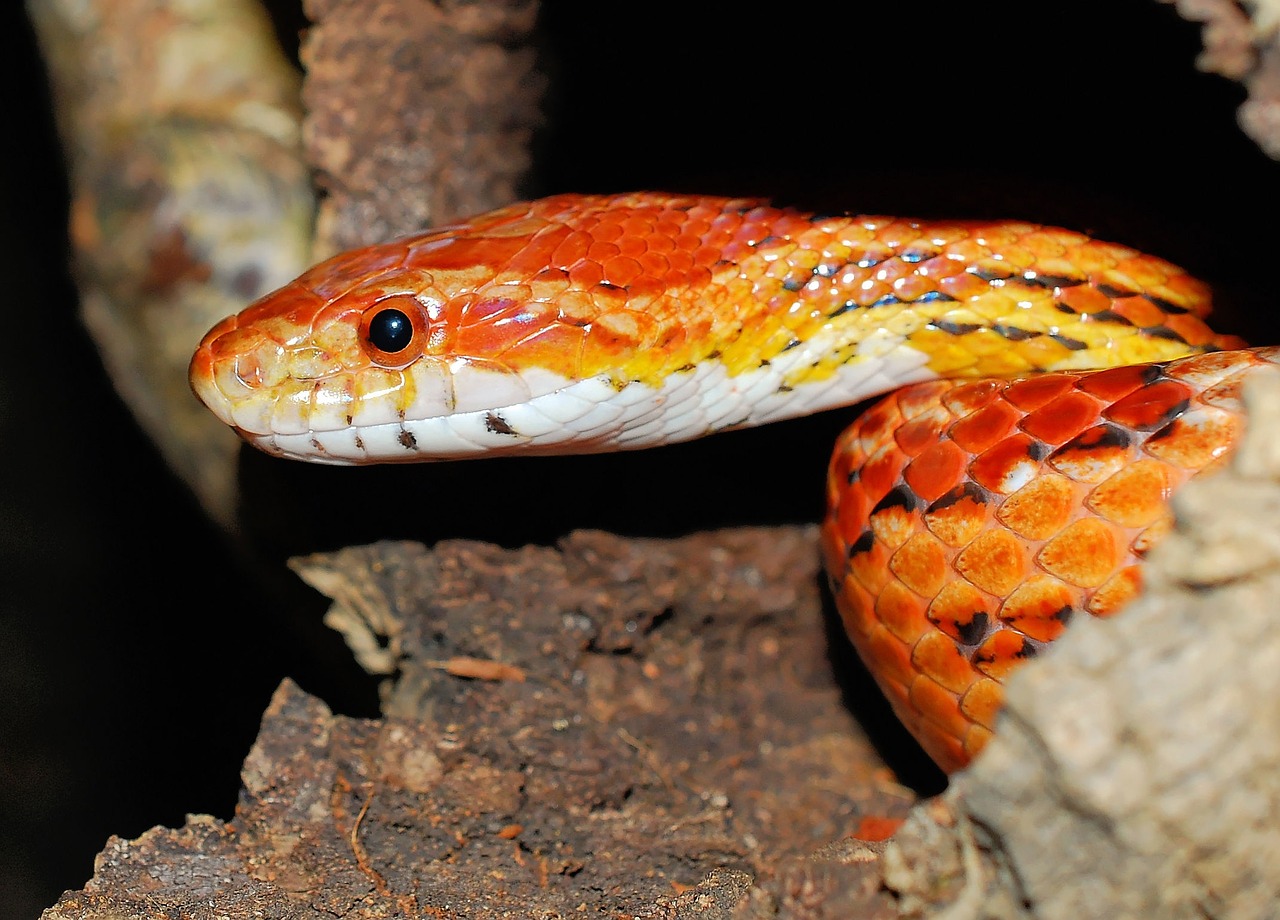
x=595 y=415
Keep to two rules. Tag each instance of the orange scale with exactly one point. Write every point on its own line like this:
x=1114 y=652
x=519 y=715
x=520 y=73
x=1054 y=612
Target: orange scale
x=947 y=751
x=697 y=222
x=1152 y=406
x=708 y=257
x=1116 y=592
x=857 y=608
x=1195 y=438
x=606 y=229
x=882 y=417
x=1225 y=394
x=600 y=251
x=1144 y=542
x=296 y=302
x=936 y=657
x=1118 y=382
x=963 y=246
x=983 y=428
x=1031 y=393
x=892 y=659
x=493 y=309
x=958 y=516
x=902 y=612
x=1135 y=496
x=1041 y=508
x=586 y=274
x=557 y=347
x=975 y=741
x=849 y=509
x=642 y=225
x=1094 y=454
x=654 y=264
x=914 y=436
x=632 y=246
x=939 y=267
x=681 y=263
x=1083 y=299
x=869 y=563
x=881 y=472
x=1143 y=271
x=1083 y=554
x=982 y=701
x=340 y=271
x=921 y=398
x=1186 y=291
x=611 y=299
x=939 y=706
x=921 y=564
x=1208 y=369
x=964 y=398
x=689 y=241
x=1002 y=653
x=531 y=259
x=669 y=225
x=1005 y=467
x=1061 y=419
x=964 y=286
x=835 y=552
x=1193 y=330
x=1040 y=607
x=698 y=276
x=869 y=292
x=962 y=612
x=893 y=269
x=996 y=561
x=913 y=287
x=936 y=471
x=844 y=461
x=571 y=249
x=1140 y=311
x=621 y=270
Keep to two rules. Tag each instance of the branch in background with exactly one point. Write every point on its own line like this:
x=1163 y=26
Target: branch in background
x=180 y=125
x=1242 y=43
x=417 y=113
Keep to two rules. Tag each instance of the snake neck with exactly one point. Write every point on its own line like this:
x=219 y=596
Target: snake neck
x=818 y=294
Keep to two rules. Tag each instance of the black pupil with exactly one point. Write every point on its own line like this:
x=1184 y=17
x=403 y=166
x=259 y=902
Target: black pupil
x=390 y=331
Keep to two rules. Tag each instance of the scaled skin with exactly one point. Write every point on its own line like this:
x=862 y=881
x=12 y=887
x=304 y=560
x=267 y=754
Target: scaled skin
x=638 y=288
x=968 y=521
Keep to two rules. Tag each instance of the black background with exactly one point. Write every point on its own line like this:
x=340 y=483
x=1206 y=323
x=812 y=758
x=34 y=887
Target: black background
x=138 y=649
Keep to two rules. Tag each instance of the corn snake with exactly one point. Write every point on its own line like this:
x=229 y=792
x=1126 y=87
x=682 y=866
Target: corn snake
x=970 y=515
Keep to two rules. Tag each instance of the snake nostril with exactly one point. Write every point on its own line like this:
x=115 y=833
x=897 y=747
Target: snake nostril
x=246 y=359
x=248 y=370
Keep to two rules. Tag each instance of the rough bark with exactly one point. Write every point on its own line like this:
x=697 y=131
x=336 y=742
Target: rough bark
x=1136 y=771
x=457 y=100
x=611 y=726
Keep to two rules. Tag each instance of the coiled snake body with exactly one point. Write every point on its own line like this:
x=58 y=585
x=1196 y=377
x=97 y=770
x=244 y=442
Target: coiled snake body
x=968 y=519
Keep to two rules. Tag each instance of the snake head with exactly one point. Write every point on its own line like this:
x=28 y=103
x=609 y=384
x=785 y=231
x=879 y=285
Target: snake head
x=498 y=335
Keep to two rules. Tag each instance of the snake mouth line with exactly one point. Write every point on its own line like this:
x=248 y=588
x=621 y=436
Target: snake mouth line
x=593 y=415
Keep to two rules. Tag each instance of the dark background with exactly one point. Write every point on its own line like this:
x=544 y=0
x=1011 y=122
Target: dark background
x=138 y=648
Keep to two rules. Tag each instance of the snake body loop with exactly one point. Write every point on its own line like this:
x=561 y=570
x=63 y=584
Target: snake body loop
x=969 y=519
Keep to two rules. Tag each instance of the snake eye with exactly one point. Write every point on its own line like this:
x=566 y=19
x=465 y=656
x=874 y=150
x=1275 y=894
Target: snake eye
x=394 y=331
x=390 y=331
